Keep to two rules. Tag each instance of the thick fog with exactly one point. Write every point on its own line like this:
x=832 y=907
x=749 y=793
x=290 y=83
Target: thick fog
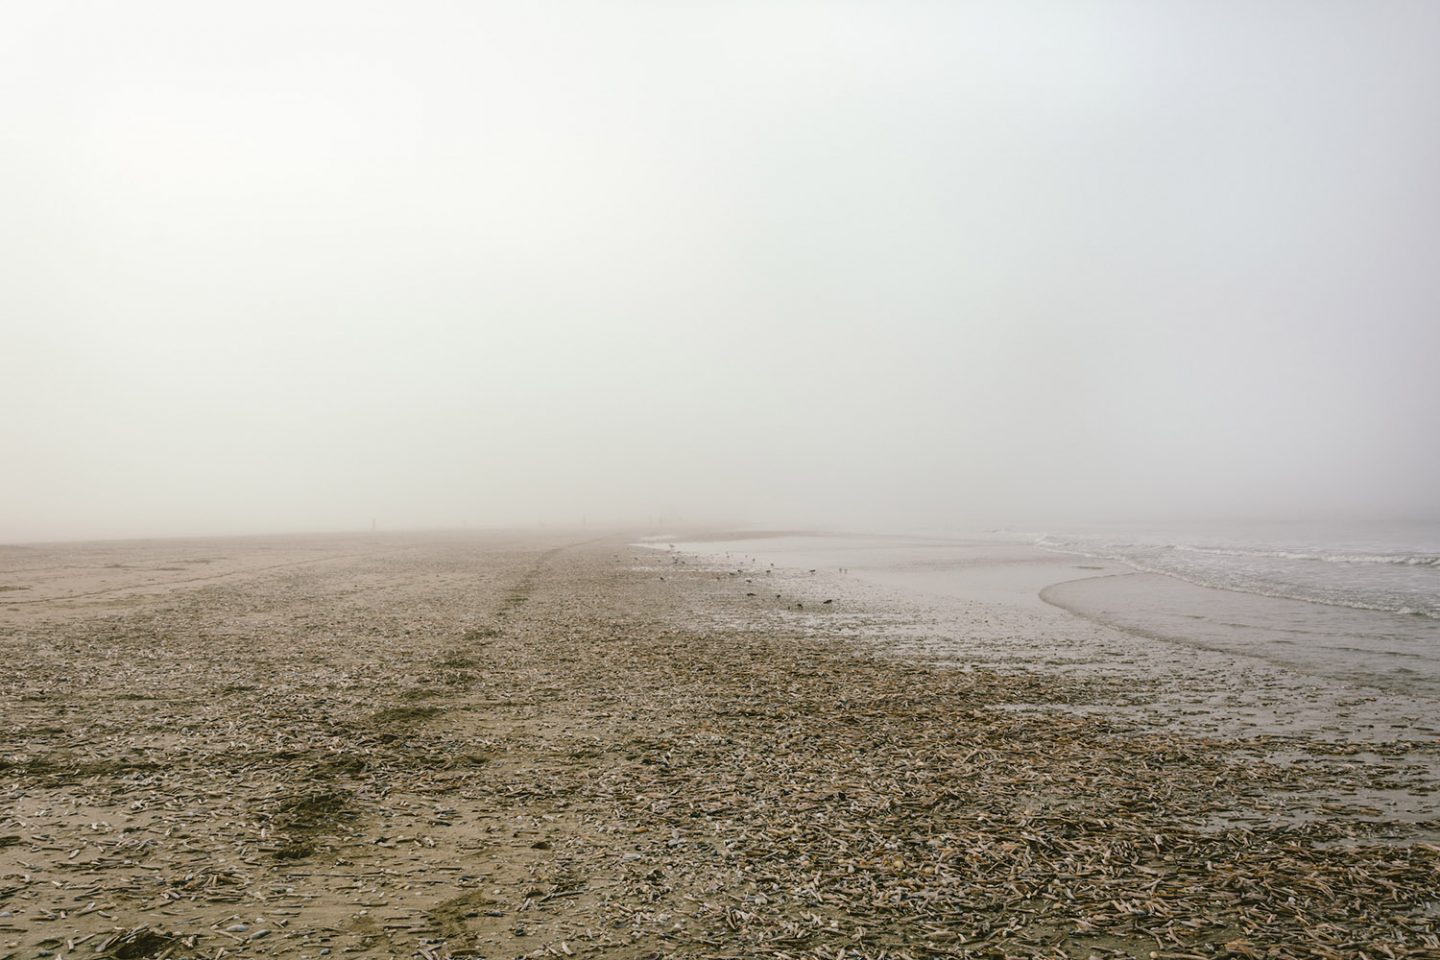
x=274 y=266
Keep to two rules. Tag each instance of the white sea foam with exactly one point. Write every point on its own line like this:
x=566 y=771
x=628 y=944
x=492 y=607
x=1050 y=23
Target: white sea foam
x=1345 y=574
x=1401 y=559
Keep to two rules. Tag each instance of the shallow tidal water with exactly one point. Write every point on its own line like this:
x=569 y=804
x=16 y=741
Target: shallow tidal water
x=1381 y=649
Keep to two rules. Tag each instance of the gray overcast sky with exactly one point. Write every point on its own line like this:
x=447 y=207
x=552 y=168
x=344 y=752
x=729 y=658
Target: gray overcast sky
x=293 y=265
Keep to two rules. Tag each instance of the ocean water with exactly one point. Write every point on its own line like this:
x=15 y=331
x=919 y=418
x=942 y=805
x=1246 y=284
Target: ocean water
x=1356 y=604
x=1392 y=568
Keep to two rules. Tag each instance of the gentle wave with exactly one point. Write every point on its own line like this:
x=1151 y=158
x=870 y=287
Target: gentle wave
x=1395 y=559
x=1391 y=559
x=1289 y=583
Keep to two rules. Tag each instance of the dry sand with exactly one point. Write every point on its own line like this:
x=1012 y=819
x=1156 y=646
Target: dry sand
x=501 y=746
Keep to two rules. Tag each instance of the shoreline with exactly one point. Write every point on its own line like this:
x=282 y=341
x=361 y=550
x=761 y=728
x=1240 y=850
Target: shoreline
x=521 y=746
x=1359 y=646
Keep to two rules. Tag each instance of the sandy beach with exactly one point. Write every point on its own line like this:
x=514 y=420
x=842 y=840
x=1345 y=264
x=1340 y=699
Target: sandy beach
x=503 y=745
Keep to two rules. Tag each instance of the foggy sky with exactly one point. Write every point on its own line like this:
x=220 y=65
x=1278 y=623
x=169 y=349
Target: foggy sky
x=296 y=265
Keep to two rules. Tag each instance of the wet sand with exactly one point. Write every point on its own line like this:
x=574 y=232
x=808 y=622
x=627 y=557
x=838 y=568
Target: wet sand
x=1286 y=666
x=515 y=745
